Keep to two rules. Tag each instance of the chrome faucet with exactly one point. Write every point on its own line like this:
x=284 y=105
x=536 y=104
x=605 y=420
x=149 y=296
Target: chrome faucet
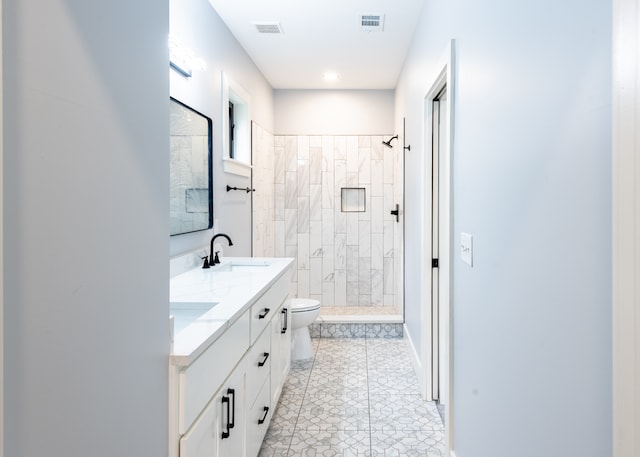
x=213 y=259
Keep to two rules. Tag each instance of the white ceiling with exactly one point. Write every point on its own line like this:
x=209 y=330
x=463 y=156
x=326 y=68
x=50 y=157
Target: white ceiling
x=321 y=36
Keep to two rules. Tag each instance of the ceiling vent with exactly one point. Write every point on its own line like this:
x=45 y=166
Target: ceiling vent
x=268 y=27
x=372 y=22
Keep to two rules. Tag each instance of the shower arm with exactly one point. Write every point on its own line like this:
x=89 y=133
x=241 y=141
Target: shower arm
x=388 y=143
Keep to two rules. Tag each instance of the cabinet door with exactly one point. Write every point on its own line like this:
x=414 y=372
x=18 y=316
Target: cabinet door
x=285 y=340
x=281 y=351
x=231 y=423
x=202 y=438
x=220 y=430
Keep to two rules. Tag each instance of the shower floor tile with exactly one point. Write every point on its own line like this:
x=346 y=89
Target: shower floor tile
x=359 y=315
x=357 y=310
x=357 y=397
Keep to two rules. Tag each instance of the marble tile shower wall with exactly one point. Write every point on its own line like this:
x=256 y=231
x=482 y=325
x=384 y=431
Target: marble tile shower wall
x=262 y=147
x=343 y=258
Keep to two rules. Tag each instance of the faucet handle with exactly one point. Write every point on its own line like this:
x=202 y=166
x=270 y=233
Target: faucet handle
x=206 y=261
x=216 y=260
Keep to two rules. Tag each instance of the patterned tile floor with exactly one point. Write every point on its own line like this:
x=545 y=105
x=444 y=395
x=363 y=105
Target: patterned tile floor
x=356 y=397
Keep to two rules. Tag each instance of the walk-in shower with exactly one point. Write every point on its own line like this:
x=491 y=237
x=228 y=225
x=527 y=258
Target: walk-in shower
x=332 y=202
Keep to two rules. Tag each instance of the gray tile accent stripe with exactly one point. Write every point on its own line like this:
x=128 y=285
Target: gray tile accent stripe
x=330 y=330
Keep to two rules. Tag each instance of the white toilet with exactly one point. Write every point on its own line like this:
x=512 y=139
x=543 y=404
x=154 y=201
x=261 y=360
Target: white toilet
x=303 y=312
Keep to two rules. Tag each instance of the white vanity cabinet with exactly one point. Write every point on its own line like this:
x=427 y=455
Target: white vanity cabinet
x=222 y=397
x=281 y=347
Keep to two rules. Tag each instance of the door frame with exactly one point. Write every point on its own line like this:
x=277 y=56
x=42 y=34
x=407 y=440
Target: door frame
x=625 y=217
x=433 y=107
x=445 y=72
x=1 y=248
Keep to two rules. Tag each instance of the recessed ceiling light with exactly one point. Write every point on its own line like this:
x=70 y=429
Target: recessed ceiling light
x=330 y=76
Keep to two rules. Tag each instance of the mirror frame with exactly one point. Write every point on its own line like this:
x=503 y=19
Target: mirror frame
x=209 y=165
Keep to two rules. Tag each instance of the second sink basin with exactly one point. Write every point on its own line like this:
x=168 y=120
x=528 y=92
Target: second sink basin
x=184 y=313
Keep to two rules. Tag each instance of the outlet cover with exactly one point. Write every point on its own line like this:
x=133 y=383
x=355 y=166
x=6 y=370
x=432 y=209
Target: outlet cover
x=466 y=248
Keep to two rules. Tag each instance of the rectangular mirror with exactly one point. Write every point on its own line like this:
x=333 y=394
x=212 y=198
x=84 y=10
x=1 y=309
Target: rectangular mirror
x=191 y=194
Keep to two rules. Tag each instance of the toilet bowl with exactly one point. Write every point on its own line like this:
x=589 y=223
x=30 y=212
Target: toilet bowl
x=303 y=312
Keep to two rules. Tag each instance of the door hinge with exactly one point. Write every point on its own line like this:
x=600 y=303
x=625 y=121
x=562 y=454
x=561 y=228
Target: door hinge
x=434 y=263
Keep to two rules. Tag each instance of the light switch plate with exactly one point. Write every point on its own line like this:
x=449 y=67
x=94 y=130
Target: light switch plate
x=466 y=248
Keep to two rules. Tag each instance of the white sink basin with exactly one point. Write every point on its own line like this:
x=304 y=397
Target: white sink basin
x=184 y=313
x=243 y=265
x=248 y=267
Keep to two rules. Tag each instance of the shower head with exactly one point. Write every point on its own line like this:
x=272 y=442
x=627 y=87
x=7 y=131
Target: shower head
x=388 y=143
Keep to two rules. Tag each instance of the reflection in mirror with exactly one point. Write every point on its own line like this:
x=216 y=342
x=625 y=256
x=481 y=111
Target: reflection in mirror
x=191 y=196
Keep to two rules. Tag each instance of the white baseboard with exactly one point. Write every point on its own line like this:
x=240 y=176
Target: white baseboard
x=417 y=365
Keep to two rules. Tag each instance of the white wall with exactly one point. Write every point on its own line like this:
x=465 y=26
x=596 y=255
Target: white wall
x=1 y=261
x=333 y=112
x=196 y=24
x=85 y=228
x=262 y=152
x=420 y=72
x=626 y=252
x=531 y=183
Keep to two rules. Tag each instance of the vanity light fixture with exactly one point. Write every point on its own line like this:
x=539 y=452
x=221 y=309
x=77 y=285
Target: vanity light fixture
x=182 y=59
x=181 y=67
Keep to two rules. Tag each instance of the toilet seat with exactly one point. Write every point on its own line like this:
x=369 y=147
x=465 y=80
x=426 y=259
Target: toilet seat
x=301 y=305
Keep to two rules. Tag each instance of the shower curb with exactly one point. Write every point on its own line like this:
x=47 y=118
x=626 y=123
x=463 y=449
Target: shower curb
x=376 y=330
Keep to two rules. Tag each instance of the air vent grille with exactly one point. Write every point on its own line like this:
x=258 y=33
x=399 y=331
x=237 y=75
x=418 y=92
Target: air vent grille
x=268 y=27
x=372 y=22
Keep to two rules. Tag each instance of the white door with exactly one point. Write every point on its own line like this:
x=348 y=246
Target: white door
x=439 y=307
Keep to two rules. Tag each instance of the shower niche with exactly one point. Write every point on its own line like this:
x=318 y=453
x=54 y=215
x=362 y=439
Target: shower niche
x=353 y=199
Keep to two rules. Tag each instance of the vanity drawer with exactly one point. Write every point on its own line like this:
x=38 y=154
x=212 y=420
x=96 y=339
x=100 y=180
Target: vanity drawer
x=265 y=308
x=199 y=381
x=258 y=420
x=259 y=365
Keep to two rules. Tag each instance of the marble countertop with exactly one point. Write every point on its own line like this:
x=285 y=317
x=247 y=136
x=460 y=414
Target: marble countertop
x=232 y=287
